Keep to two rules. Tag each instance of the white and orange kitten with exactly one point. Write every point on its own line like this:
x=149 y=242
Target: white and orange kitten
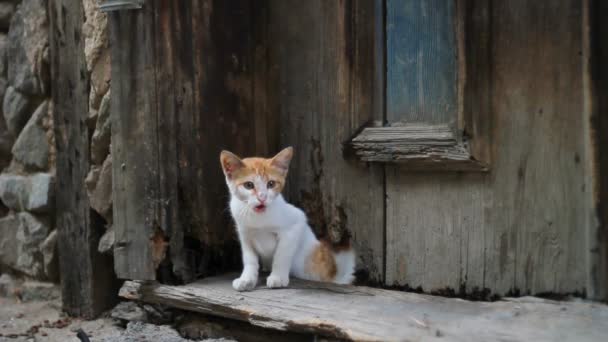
x=273 y=232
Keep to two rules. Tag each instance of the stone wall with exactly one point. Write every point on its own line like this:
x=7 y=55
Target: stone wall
x=99 y=179
x=27 y=234
x=27 y=155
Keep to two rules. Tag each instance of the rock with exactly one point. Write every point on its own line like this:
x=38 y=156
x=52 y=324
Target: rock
x=97 y=51
x=49 y=255
x=17 y=109
x=136 y=312
x=100 y=197
x=140 y=331
x=32 y=193
x=32 y=146
x=3 y=54
x=28 y=71
x=91 y=180
x=102 y=73
x=107 y=241
x=6 y=138
x=129 y=311
x=100 y=142
x=94 y=102
x=95 y=32
x=198 y=329
x=4 y=210
x=6 y=12
x=20 y=238
x=3 y=87
x=8 y=285
x=32 y=290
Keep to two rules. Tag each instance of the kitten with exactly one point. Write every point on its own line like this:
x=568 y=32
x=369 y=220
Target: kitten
x=274 y=232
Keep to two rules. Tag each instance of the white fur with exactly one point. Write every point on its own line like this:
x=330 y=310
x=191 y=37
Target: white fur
x=279 y=238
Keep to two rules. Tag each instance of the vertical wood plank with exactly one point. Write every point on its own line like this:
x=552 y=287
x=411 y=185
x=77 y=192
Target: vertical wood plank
x=596 y=54
x=430 y=220
x=173 y=70
x=422 y=68
x=88 y=283
x=322 y=52
x=139 y=240
x=222 y=119
x=476 y=33
x=539 y=184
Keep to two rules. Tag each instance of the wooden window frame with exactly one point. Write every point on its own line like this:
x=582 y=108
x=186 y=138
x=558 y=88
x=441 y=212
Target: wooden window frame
x=464 y=146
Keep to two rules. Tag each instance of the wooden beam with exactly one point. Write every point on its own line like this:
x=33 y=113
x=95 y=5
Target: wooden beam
x=369 y=314
x=140 y=242
x=87 y=281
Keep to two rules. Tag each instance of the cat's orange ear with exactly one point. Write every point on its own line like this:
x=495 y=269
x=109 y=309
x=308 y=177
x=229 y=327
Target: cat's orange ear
x=230 y=163
x=282 y=159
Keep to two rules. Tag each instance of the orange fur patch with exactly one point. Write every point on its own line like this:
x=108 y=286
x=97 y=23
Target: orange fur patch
x=322 y=263
x=241 y=170
x=261 y=167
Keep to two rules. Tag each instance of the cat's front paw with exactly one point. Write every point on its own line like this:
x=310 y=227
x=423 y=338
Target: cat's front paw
x=274 y=281
x=244 y=283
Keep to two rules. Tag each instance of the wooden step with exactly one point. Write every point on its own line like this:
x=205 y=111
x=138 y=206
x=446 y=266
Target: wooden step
x=369 y=314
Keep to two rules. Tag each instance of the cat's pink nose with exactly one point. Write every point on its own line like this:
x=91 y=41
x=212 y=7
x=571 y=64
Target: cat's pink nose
x=262 y=197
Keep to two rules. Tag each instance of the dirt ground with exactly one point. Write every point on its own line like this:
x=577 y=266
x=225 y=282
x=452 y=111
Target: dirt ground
x=42 y=320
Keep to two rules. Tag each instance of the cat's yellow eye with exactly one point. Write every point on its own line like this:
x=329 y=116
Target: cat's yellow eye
x=271 y=184
x=248 y=185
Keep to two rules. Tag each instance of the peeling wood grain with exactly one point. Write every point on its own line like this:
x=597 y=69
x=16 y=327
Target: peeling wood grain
x=368 y=314
x=416 y=147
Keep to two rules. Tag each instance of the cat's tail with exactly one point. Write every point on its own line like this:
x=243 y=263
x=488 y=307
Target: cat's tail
x=327 y=262
x=345 y=264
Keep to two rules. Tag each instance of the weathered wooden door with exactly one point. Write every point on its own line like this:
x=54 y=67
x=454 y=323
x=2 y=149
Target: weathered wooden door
x=449 y=139
x=185 y=85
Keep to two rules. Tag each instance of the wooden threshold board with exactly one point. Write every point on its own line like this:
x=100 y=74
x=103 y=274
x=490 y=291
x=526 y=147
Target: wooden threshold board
x=369 y=314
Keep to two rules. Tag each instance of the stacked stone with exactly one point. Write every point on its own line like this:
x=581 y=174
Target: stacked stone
x=27 y=234
x=99 y=179
x=27 y=154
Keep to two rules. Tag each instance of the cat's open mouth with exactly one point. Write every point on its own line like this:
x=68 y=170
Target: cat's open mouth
x=259 y=208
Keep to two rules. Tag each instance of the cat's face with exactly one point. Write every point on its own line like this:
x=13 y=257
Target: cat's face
x=256 y=181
